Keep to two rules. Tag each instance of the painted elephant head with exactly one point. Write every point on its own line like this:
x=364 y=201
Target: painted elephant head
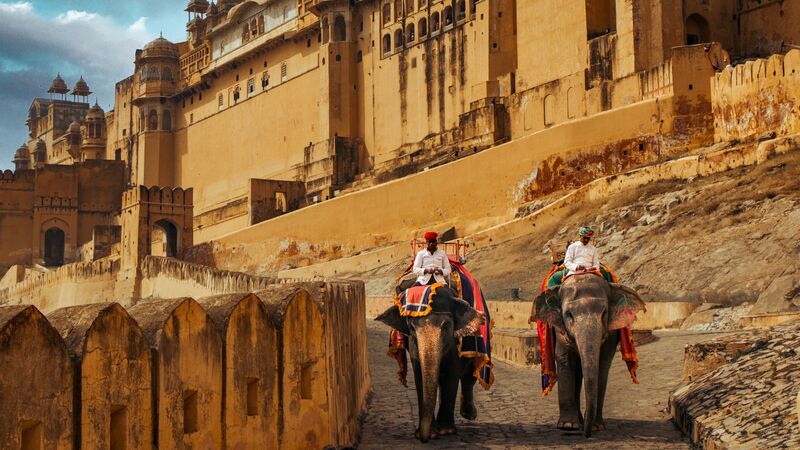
x=431 y=337
x=584 y=311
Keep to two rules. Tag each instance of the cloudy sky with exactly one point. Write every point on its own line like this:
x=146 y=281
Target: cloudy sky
x=94 y=39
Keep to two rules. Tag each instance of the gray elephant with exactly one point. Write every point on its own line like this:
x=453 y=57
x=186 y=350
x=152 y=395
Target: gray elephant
x=433 y=348
x=586 y=312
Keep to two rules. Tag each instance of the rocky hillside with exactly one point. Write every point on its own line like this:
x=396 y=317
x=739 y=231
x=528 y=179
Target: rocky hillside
x=723 y=239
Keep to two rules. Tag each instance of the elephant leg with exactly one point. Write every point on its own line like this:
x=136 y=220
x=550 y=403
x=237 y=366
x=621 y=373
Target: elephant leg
x=569 y=388
x=468 y=409
x=418 y=383
x=448 y=390
x=607 y=352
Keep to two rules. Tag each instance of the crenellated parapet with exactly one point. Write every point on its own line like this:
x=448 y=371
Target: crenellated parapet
x=281 y=368
x=757 y=97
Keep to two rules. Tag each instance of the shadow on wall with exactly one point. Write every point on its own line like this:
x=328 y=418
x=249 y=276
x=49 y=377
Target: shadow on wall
x=169 y=369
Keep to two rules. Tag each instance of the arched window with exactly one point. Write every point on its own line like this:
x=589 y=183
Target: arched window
x=54 y=240
x=398 y=38
x=435 y=22
x=387 y=13
x=166 y=74
x=472 y=7
x=339 y=29
x=166 y=121
x=398 y=9
x=254 y=27
x=697 y=30
x=246 y=33
x=448 y=16
x=261 y=24
x=325 y=30
x=461 y=10
x=152 y=120
x=143 y=74
x=423 y=27
x=387 y=43
x=409 y=6
x=152 y=73
x=164 y=239
x=410 y=32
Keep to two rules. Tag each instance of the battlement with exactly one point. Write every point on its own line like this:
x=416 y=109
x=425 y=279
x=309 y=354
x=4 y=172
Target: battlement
x=158 y=195
x=756 y=97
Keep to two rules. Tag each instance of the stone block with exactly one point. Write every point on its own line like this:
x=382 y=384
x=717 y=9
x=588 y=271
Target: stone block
x=250 y=358
x=36 y=382
x=115 y=374
x=188 y=362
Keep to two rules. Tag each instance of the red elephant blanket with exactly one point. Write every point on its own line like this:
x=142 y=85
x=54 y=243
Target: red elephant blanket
x=547 y=345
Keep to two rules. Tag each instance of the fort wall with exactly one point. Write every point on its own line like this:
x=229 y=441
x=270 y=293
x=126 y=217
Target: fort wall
x=757 y=97
x=507 y=175
x=315 y=332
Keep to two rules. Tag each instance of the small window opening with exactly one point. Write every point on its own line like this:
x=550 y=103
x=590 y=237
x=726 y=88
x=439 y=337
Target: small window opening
x=252 y=396
x=306 y=373
x=32 y=438
x=119 y=428
x=283 y=72
x=359 y=56
x=190 y=412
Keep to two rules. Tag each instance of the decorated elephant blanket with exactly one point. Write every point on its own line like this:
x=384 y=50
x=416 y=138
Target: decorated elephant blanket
x=415 y=302
x=547 y=343
x=477 y=347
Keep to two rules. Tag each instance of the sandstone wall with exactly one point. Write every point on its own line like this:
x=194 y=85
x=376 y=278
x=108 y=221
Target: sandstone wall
x=507 y=175
x=757 y=97
x=36 y=382
x=286 y=368
x=72 y=284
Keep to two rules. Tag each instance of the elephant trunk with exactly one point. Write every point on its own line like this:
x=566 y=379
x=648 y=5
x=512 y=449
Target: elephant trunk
x=589 y=341
x=430 y=356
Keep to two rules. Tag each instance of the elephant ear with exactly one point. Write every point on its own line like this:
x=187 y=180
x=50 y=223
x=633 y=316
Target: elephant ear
x=466 y=319
x=393 y=318
x=623 y=304
x=547 y=308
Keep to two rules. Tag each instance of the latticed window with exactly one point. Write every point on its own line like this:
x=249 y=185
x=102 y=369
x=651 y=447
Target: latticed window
x=283 y=72
x=265 y=80
x=251 y=87
x=220 y=101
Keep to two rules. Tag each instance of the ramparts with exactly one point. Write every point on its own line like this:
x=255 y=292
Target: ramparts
x=760 y=96
x=313 y=334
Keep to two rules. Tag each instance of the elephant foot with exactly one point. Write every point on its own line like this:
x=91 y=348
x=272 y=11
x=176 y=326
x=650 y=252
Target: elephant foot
x=434 y=434
x=447 y=430
x=468 y=410
x=570 y=423
x=599 y=425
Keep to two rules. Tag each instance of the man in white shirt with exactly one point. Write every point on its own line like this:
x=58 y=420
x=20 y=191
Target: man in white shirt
x=582 y=255
x=431 y=265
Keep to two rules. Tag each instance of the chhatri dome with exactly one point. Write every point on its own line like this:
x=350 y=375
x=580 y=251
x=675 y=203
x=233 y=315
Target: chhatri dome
x=160 y=47
x=74 y=127
x=21 y=153
x=81 y=88
x=58 y=86
x=96 y=112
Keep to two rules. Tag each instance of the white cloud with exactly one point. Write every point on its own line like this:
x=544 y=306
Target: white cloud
x=16 y=8
x=76 y=16
x=140 y=26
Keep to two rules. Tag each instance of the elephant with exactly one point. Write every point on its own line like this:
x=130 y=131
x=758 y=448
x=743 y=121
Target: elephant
x=433 y=348
x=585 y=312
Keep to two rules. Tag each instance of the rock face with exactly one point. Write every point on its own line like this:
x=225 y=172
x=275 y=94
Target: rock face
x=746 y=401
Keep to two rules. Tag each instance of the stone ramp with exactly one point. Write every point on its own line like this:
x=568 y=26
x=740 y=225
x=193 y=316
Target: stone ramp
x=747 y=396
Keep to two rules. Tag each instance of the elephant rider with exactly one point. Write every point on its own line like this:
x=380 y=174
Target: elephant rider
x=431 y=265
x=581 y=256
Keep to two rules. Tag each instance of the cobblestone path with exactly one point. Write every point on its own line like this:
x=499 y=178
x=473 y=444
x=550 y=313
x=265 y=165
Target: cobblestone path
x=513 y=415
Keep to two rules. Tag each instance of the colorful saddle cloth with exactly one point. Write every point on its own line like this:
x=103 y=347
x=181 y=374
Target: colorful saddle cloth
x=547 y=343
x=416 y=300
x=417 y=303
